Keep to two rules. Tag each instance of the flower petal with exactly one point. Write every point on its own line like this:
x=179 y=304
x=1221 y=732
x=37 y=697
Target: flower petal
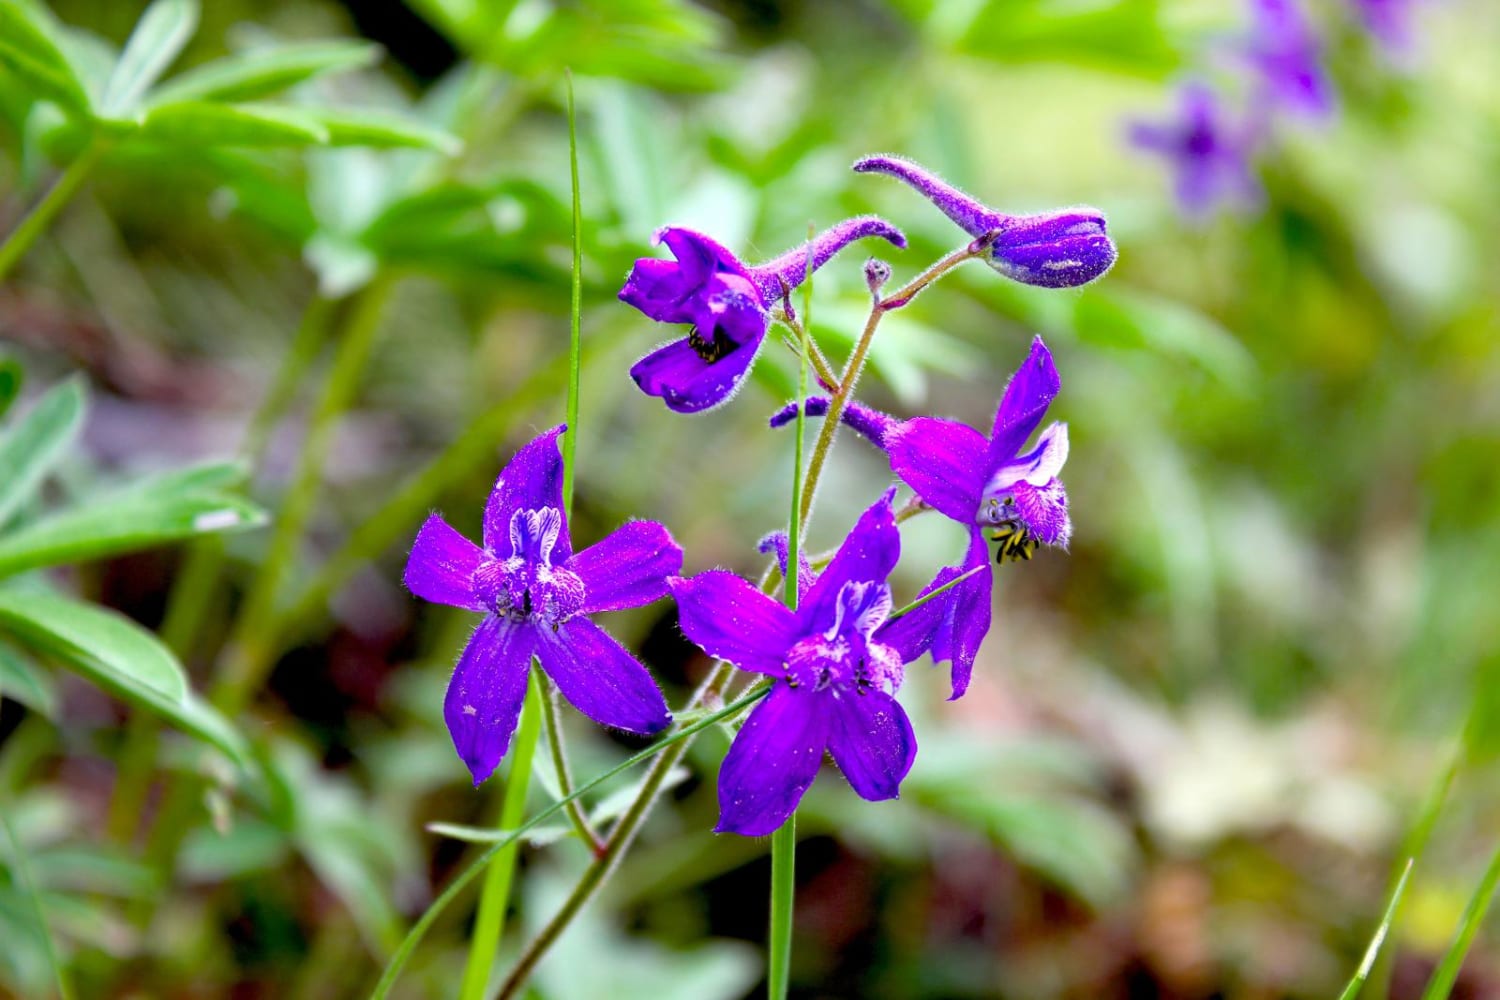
x=730 y=619
x=1037 y=467
x=872 y=742
x=628 y=567
x=656 y=287
x=685 y=382
x=442 y=564
x=1031 y=390
x=532 y=480
x=868 y=555
x=966 y=616
x=484 y=697
x=1044 y=509
x=943 y=461
x=913 y=633
x=774 y=759
x=699 y=256
x=602 y=679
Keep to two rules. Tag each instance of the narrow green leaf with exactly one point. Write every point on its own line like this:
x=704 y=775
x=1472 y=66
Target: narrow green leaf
x=138 y=518
x=204 y=123
x=249 y=76
x=28 y=51
x=158 y=39
x=112 y=651
x=21 y=681
x=1357 y=982
x=1446 y=974
x=26 y=884
x=33 y=445
x=367 y=128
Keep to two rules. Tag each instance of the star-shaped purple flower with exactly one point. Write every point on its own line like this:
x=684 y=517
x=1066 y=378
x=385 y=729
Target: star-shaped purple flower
x=1058 y=249
x=726 y=302
x=1207 y=152
x=1285 y=51
x=535 y=593
x=837 y=662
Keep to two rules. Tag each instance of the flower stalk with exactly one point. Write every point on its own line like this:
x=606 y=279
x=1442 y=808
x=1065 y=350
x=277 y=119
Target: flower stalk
x=41 y=215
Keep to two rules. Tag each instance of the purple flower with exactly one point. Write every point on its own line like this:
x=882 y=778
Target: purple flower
x=1209 y=154
x=1057 y=249
x=1387 y=20
x=1285 y=51
x=536 y=592
x=837 y=662
x=726 y=303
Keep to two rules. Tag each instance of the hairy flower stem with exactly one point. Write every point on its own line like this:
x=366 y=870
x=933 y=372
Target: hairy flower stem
x=852 y=370
x=553 y=718
x=40 y=217
x=620 y=839
x=494 y=893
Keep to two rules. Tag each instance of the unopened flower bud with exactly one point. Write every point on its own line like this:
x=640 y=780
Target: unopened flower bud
x=877 y=273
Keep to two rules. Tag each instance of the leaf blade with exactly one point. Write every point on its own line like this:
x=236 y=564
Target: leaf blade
x=157 y=40
x=249 y=76
x=27 y=49
x=205 y=123
x=31 y=447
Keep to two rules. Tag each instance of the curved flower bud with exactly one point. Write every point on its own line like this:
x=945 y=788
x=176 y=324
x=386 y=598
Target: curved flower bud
x=1061 y=249
x=727 y=305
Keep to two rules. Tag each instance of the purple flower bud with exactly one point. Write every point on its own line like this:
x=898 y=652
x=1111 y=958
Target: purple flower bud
x=1060 y=249
x=877 y=273
x=868 y=422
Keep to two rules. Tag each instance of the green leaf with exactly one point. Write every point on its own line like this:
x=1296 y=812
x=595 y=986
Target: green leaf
x=28 y=50
x=112 y=651
x=381 y=131
x=21 y=681
x=1357 y=981
x=163 y=510
x=204 y=123
x=1440 y=986
x=158 y=39
x=249 y=76
x=30 y=448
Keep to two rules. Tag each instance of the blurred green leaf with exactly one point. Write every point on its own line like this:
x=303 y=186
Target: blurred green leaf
x=158 y=39
x=1357 y=981
x=1440 y=986
x=1112 y=317
x=205 y=123
x=22 y=681
x=249 y=76
x=140 y=516
x=12 y=377
x=118 y=655
x=379 y=131
x=33 y=445
x=28 y=51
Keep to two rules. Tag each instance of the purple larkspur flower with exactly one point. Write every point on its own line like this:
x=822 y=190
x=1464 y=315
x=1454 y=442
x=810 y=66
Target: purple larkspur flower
x=989 y=484
x=536 y=594
x=727 y=304
x=1285 y=51
x=837 y=662
x=1388 y=20
x=1058 y=249
x=1208 y=154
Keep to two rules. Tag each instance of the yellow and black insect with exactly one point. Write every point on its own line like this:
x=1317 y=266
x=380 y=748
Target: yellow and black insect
x=1016 y=542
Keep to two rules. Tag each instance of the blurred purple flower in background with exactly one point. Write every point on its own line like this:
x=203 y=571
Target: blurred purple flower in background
x=726 y=301
x=1209 y=154
x=837 y=661
x=1058 y=249
x=535 y=592
x=1388 y=20
x=1286 y=53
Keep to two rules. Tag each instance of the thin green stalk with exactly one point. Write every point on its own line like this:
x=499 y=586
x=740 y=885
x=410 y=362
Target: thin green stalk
x=489 y=924
x=784 y=840
x=414 y=937
x=553 y=721
x=40 y=217
x=1441 y=983
x=575 y=317
x=619 y=842
x=1361 y=974
x=28 y=885
x=249 y=654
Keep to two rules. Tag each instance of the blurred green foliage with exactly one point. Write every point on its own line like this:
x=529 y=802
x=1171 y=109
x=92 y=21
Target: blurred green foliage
x=1195 y=742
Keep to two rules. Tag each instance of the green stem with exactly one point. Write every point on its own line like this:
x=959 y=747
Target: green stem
x=575 y=317
x=489 y=924
x=40 y=217
x=783 y=890
x=619 y=842
x=1441 y=983
x=249 y=652
x=576 y=815
x=414 y=936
